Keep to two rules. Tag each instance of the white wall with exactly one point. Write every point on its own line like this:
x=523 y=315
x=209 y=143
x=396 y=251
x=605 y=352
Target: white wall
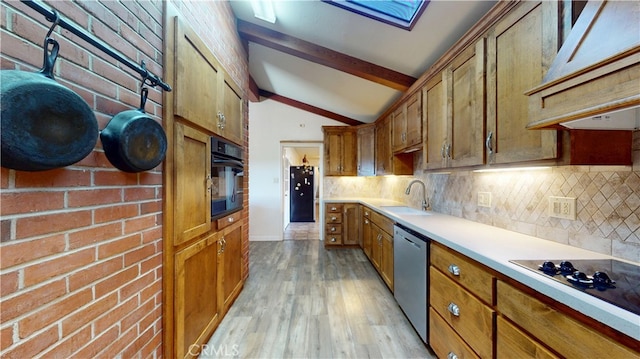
x=271 y=122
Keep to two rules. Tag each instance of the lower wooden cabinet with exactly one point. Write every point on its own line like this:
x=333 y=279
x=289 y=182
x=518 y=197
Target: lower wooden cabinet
x=514 y=343
x=230 y=254
x=444 y=341
x=365 y=231
x=382 y=247
x=342 y=224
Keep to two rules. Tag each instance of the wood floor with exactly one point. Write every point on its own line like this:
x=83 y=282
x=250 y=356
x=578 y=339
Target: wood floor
x=302 y=301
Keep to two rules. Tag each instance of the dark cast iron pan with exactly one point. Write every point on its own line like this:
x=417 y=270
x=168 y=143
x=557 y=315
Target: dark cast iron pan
x=44 y=124
x=133 y=141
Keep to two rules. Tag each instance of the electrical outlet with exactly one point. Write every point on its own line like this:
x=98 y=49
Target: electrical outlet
x=484 y=199
x=562 y=207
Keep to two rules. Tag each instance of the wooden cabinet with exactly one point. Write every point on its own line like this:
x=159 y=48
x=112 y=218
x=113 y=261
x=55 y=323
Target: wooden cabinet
x=514 y=343
x=230 y=255
x=386 y=162
x=569 y=337
x=382 y=246
x=205 y=94
x=197 y=310
x=520 y=48
x=435 y=122
x=460 y=295
x=192 y=176
x=366 y=231
x=407 y=124
x=342 y=225
x=340 y=146
x=366 y=150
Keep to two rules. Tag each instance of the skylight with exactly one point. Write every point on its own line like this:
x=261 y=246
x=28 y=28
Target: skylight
x=400 y=13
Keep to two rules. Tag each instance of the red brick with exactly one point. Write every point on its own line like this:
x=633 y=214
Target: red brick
x=115 y=178
x=139 y=254
x=98 y=344
x=66 y=347
x=117 y=75
x=4 y=177
x=34 y=345
x=136 y=345
x=151 y=318
x=115 y=213
x=137 y=285
x=28 y=29
x=149 y=293
x=152 y=234
x=30 y=202
x=8 y=283
x=38 y=273
x=18 y=252
x=113 y=316
x=150 y=178
x=52 y=223
x=71 y=11
x=109 y=106
x=80 y=76
x=6 y=337
x=139 y=193
x=5 y=230
x=151 y=263
x=94 y=273
x=140 y=223
x=153 y=348
x=116 y=346
x=93 y=235
x=132 y=318
x=119 y=246
x=151 y=207
x=96 y=159
x=115 y=281
x=88 y=313
x=138 y=42
x=47 y=315
x=29 y=301
x=93 y=197
x=53 y=178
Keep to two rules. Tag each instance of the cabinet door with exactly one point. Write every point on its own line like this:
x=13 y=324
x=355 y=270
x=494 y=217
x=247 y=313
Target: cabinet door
x=333 y=153
x=196 y=79
x=351 y=224
x=376 y=246
x=349 y=165
x=367 y=233
x=386 y=265
x=414 y=120
x=192 y=176
x=196 y=294
x=435 y=123
x=383 y=146
x=230 y=253
x=399 y=128
x=520 y=49
x=466 y=115
x=231 y=126
x=366 y=150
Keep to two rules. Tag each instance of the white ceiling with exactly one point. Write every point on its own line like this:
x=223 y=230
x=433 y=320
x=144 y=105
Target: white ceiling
x=410 y=53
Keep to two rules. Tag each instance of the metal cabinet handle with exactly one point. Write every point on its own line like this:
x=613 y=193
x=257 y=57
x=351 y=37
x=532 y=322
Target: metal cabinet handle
x=333 y=229
x=454 y=269
x=366 y=221
x=444 y=145
x=488 y=142
x=230 y=219
x=333 y=239
x=333 y=219
x=449 y=150
x=454 y=309
x=334 y=208
x=452 y=355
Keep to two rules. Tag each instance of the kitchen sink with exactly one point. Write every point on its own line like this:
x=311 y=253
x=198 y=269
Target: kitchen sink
x=404 y=210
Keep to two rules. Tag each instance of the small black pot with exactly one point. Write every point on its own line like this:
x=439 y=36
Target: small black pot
x=133 y=141
x=44 y=124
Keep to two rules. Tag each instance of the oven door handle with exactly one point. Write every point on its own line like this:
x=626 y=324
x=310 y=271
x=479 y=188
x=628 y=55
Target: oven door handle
x=228 y=163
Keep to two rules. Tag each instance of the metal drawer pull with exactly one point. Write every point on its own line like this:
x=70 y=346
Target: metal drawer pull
x=333 y=239
x=333 y=208
x=452 y=355
x=454 y=269
x=333 y=229
x=333 y=218
x=230 y=219
x=454 y=309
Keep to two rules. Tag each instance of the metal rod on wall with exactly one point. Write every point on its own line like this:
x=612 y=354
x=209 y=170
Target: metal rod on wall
x=49 y=15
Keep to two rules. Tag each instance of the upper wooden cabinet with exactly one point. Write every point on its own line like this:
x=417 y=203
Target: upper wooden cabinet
x=386 y=162
x=407 y=124
x=366 y=150
x=454 y=112
x=340 y=150
x=205 y=95
x=520 y=48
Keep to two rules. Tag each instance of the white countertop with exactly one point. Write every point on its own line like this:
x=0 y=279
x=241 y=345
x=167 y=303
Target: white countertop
x=495 y=247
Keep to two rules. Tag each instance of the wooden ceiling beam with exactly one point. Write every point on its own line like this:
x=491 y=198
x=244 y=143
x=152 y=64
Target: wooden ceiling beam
x=324 y=56
x=310 y=108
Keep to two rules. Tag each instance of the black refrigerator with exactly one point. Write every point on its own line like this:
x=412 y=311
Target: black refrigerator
x=301 y=199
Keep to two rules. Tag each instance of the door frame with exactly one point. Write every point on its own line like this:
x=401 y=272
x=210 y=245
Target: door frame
x=284 y=183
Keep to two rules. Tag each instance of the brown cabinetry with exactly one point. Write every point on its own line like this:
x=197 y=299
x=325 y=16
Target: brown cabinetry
x=382 y=247
x=366 y=231
x=340 y=146
x=386 y=162
x=460 y=295
x=520 y=48
x=342 y=225
x=407 y=124
x=366 y=150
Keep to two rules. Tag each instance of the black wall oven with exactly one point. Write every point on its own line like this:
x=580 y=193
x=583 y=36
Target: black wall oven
x=227 y=174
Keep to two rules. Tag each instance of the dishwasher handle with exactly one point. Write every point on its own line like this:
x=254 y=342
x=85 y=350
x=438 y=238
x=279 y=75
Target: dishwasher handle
x=412 y=242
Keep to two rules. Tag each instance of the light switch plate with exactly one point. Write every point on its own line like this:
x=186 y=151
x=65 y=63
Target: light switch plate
x=484 y=199
x=562 y=207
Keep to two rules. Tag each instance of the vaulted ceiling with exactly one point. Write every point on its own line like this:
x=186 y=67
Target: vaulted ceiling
x=341 y=65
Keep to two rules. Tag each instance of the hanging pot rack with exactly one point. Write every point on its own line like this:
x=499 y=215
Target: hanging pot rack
x=52 y=16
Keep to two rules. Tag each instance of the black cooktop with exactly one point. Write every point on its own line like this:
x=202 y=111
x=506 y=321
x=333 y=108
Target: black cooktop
x=623 y=290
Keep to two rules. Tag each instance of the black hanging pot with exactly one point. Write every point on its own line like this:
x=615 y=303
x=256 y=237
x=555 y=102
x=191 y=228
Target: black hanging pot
x=44 y=124
x=133 y=141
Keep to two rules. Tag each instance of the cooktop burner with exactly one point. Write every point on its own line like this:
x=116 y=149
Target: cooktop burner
x=611 y=280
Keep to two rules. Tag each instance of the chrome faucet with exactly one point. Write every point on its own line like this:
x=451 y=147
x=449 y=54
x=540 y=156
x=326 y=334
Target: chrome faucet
x=425 y=202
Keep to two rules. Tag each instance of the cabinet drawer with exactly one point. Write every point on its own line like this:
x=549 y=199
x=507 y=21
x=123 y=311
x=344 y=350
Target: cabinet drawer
x=332 y=239
x=465 y=313
x=560 y=332
x=331 y=229
x=444 y=341
x=513 y=343
x=333 y=218
x=464 y=271
x=366 y=212
x=226 y=221
x=333 y=208
x=383 y=222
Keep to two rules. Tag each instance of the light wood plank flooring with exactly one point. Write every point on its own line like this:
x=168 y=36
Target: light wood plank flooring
x=302 y=301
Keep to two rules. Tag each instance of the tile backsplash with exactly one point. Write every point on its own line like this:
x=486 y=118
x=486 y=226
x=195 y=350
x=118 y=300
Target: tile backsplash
x=607 y=201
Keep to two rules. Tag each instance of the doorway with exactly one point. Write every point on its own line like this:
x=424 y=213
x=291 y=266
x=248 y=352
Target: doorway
x=303 y=157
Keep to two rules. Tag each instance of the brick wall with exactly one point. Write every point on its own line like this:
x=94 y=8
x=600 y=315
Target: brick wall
x=81 y=246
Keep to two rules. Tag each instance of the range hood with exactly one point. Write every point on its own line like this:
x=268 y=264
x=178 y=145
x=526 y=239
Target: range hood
x=594 y=81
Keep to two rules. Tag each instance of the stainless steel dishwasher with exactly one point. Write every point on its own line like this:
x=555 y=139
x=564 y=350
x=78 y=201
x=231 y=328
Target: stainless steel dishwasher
x=410 y=256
